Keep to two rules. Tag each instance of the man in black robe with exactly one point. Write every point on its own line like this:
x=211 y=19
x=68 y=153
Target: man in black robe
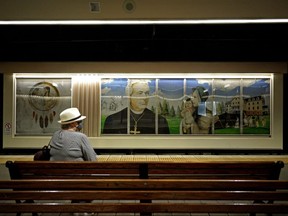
x=117 y=123
x=142 y=120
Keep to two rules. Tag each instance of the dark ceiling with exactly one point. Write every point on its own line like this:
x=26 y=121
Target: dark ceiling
x=201 y=42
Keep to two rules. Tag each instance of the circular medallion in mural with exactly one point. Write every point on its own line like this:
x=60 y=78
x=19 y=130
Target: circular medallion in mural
x=43 y=96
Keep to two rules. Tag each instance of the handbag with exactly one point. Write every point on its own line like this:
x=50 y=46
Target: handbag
x=43 y=154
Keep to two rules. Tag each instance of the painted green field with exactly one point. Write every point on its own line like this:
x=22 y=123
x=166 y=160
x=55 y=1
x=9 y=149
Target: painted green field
x=174 y=124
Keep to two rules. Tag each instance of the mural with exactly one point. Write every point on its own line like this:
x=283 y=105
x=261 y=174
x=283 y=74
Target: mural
x=234 y=106
x=38 y=104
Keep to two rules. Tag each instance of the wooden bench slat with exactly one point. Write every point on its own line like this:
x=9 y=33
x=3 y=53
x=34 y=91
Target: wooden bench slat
x=177 y=184
x=235 y=165
x=143 y=207
x=140 y=195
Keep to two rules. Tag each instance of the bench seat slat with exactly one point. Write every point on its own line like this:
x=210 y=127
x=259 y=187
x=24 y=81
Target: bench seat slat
x=176 y=184
x=140 y=195
x=143 y=207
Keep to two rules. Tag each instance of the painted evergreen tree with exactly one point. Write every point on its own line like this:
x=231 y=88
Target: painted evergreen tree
x=172 y=112
x=160 y=109
x=178 y=112
x=164 y=108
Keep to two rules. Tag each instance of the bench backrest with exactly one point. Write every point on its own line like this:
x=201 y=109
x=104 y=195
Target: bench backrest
x=217 y=170
x=144 y=170
x=171 y=190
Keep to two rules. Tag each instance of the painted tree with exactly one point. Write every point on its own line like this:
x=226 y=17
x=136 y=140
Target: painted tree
x=172 y=112
x=164 y=108
x=178 y=112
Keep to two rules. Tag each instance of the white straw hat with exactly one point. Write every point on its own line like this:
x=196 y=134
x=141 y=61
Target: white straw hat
x=70 y=115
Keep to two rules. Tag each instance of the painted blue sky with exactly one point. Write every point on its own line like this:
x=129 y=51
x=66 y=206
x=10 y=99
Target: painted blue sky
x=251 y=87
x=192 y=83
x=174 y=88
x=171 y=88
x=260 y=87
x=113 y=87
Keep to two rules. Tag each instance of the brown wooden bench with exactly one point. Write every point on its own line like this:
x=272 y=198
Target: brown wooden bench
x=258 y=170
x=167 y=195
x=145 y=170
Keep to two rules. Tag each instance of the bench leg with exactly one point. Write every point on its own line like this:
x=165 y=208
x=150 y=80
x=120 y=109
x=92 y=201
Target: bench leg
x=145 y=213
x=254 y=214
x=33 y=214
x=261 y=201
x=26 y=201
x=18 y=213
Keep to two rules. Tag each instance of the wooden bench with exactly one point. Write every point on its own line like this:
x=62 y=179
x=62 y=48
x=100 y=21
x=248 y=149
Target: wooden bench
x=167 y=195
x=144 y=170
x=259 y=170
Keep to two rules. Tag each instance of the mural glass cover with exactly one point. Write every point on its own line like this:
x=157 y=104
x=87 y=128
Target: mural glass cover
x=185 y=106
x=39 y=103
